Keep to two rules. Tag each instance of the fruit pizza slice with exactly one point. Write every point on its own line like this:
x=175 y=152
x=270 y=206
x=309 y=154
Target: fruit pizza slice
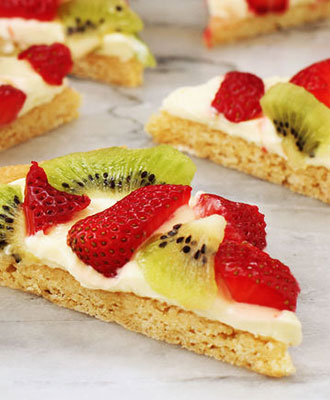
x=34 y=93
x=101 y=34
x=275 y=129
x=116 y=234
x=232 y=20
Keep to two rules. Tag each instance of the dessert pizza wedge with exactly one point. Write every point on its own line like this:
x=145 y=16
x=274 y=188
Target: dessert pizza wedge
x=116 y=234
x=275 y=129
x=101 y=34
x=232 y=20
x=34 y=93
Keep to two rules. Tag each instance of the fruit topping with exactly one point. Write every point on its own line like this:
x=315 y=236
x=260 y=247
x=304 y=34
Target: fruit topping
x=42 y=10
x=99 y=16
x=116 y=172
x=179 y=264
x=107 y=240
x=253 y=277
x=10 y=200
x=262 y=7
x=300 y=119
x=207 y=35
x=244 y=222
x=45 y=206
x=238 y=97
x=316 y=80
x=53 y=62
x=11 y=102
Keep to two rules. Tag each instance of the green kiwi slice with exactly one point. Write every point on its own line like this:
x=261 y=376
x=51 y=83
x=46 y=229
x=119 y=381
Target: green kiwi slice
x=179 y=264
x=117 y=171
x=299 y=118
x=10 y=200
x=103 y=16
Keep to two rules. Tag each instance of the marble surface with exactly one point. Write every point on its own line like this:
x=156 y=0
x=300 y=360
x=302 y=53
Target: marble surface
x=53 y=353
x=175 y=14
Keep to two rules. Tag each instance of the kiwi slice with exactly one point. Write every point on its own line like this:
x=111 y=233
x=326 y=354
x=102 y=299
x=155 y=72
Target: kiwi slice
x=118 y=171
x=103 y=16
x=180 y=263
x=10 y=200
x=302 y=121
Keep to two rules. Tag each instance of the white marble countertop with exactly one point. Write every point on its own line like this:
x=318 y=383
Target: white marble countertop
x=53 y=353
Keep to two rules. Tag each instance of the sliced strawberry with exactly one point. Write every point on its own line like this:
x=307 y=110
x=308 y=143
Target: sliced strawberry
x=238 y=97
x=207 y=35
x=53 y=62
x=107 y=240
x=11 y=102
x=316 y=79
x=42 y=10
x=244 y=222
x=253 y=277
x=45 y=206
x=262 y=7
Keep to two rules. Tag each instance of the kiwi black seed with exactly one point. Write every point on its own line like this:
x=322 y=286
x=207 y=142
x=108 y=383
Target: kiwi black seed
x=118 y=170
x=188 y=239
x=10 y=201
x=186 y=249
x=299 y=118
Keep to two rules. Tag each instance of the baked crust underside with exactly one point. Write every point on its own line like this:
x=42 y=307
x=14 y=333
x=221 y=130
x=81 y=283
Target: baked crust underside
x=237 y=153
x=109 y=70
x=148 y=316
x=152 y=318
x=42 y=119
x=223 y=31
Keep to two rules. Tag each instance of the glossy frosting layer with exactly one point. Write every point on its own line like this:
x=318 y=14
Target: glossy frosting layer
x=53 y=251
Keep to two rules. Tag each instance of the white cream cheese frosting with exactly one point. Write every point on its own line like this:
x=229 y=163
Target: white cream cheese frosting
x=52 y=250
x=229 y=9
x=28 y=32
x=123 y=46
x=24 y=33
x=194 y=104
x=20 y=74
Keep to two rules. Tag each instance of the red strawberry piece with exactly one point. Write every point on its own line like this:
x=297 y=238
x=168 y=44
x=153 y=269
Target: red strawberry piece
x=107 y=240
x=45 y=206
x=238 y=97
x=53 y=62
x=253 y=277
x=207 y=35
x=43 y=10
x=11 y=102
x=262 y=7
x=316 y=79
x=244 y=222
